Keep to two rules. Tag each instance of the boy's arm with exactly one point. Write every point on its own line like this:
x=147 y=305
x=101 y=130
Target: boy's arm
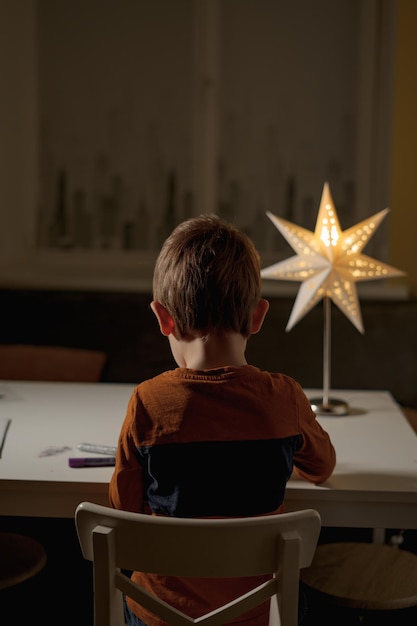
x=126 y=489
x=316 y=458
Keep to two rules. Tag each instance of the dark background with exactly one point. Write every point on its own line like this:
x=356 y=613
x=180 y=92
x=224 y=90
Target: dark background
x=123 y=326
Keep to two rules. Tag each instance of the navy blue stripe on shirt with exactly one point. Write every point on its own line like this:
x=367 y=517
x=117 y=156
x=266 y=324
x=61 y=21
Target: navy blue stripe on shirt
x=218 y=478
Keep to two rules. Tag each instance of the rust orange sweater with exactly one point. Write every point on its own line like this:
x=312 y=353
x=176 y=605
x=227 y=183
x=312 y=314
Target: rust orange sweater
x=218 y=443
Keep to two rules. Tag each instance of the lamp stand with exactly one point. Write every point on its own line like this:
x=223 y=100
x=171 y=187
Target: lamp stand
x=327 y=405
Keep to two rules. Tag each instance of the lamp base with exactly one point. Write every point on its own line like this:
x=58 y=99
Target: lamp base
x=331 y=407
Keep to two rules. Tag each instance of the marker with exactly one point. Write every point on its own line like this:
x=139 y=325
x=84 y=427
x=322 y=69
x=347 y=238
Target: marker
x=91 y=461
x=94 y=447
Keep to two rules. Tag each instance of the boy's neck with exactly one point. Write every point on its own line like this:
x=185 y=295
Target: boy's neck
x=227 y=349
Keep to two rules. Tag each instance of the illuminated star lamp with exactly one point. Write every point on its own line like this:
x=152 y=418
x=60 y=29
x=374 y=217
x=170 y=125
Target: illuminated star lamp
x=329 y=263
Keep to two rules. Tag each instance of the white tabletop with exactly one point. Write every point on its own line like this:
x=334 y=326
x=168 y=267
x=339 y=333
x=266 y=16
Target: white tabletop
x=374 y=483
x=48 y=420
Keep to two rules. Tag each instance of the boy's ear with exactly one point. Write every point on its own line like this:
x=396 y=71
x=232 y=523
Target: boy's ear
x=259 y=316
x=165 y=321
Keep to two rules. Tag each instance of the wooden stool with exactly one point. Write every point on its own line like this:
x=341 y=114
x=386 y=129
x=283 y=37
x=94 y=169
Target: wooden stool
x=364 y=576
x=21 y=557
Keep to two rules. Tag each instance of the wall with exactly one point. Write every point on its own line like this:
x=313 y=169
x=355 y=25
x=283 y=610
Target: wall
x=19 y=176
x=403 y=221
x=19 y=124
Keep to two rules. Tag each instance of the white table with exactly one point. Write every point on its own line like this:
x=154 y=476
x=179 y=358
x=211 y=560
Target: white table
x=374 y=484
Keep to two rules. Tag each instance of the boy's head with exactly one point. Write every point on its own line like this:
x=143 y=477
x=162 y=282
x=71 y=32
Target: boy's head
x=207 y=276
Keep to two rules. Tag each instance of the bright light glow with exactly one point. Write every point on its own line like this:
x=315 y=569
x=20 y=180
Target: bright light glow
x=329 y=261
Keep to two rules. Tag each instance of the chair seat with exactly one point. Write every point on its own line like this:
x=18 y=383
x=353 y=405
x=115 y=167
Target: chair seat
x=366 y=576
x=21 y=557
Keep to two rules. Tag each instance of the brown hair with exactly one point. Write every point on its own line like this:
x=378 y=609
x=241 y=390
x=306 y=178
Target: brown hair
x=207 y=276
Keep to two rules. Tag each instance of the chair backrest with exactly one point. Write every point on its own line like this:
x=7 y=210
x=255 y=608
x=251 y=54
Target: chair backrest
x=50 y=363
x=278 y=545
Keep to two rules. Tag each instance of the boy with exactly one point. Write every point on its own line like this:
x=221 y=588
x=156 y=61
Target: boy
x=215 y=437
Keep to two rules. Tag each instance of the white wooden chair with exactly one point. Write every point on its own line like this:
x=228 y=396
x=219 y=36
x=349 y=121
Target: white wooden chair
x=274 y=544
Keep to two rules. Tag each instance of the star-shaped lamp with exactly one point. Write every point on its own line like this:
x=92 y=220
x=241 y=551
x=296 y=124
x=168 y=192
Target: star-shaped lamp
x=329 y=262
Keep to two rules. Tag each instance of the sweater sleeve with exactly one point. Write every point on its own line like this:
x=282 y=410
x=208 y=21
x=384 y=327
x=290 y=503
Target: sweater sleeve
x=316 y=458
x=126 y=489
